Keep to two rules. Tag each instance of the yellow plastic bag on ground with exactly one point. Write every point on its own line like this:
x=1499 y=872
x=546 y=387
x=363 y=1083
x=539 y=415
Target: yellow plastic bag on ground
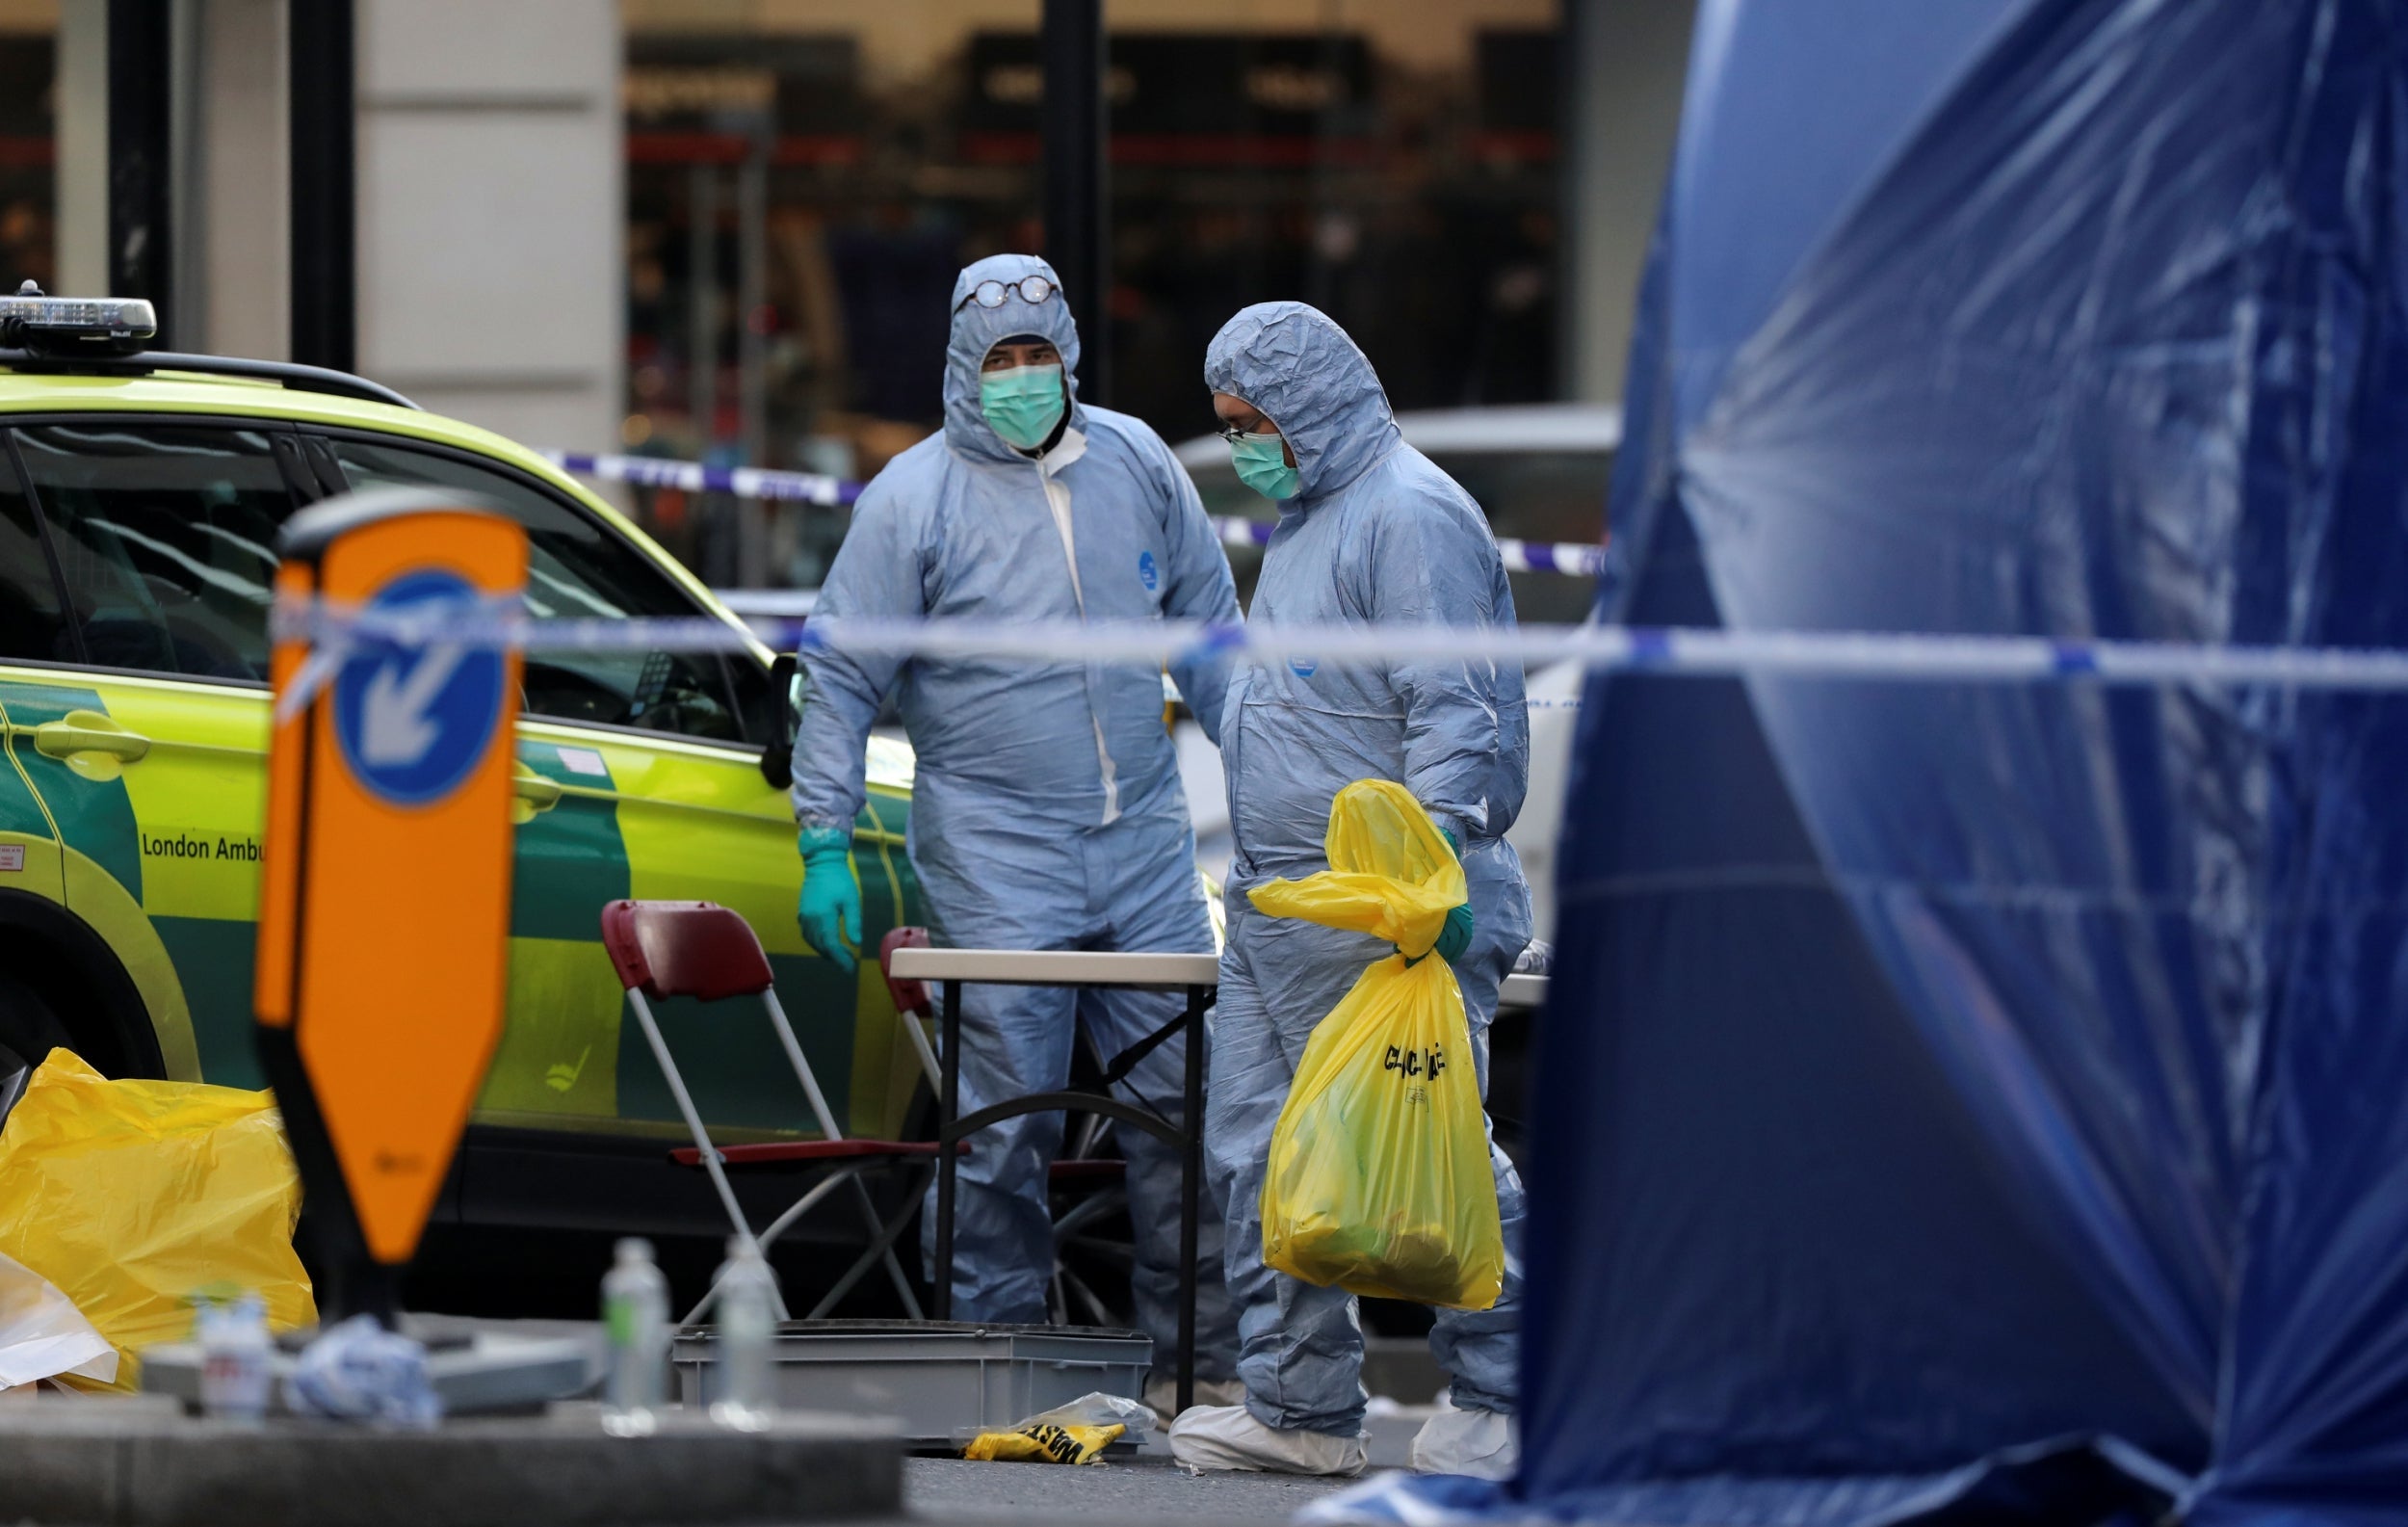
x=1379 y=1181
x=130 y=1197
x=1077 y=1432
x=1045 y=1444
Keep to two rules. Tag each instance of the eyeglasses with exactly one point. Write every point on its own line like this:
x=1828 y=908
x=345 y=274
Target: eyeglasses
x=1233 y=435
x=1033 y=289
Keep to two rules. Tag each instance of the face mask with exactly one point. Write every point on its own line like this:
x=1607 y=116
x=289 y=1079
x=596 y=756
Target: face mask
x=1023 y=404
x=1261 y=462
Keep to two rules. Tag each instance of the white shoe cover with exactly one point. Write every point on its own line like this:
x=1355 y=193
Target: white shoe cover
x=1163 y=1394
x=1479 y=1443
x=1228 y=1436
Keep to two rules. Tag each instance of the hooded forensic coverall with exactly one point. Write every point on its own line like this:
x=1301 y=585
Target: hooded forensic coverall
x=1375 y=533
x=1047 y=811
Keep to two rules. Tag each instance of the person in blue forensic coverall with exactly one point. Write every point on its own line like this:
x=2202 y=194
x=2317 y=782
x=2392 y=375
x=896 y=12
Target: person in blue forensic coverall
x=1047 y=811
x=1369 y=531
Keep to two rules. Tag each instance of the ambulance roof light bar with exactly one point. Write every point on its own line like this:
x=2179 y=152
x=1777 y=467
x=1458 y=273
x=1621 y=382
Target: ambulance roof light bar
x=63 y=326
x=105 y=336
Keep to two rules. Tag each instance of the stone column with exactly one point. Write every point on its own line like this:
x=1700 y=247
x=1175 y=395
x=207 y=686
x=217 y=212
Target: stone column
x=1628 y=61
x=491 y=213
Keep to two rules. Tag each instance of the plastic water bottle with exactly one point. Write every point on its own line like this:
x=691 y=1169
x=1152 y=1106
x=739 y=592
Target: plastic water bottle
x=748 y=1325
x=237 y=1359
x=635 y=1324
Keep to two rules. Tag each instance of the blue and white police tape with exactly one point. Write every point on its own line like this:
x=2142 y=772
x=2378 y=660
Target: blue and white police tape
x=1889 y=656
x=1574 y=558
x=744 y=482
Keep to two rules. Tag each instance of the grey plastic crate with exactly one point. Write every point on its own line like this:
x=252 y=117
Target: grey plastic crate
x=936 y=1378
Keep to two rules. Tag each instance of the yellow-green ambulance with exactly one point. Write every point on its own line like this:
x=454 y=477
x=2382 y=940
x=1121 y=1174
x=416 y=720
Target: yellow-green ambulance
x=140 y=503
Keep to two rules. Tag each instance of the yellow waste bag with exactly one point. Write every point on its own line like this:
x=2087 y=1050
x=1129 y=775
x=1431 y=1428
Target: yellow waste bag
x=1045 y=1443
x=1380 y=1180
x=132 y=1196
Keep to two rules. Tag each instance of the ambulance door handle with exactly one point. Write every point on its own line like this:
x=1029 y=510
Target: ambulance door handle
x=536 y=793
x=95 y=745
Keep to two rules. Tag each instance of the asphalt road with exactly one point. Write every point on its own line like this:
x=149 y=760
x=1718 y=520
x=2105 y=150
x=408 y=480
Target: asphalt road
x=1142 y=1489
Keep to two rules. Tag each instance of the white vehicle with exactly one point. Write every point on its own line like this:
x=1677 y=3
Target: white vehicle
x=1540 y=472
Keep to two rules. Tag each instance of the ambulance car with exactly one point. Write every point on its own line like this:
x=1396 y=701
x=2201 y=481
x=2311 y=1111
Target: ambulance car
x=140 y=501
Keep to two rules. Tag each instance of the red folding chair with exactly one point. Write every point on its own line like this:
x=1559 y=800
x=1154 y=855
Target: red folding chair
x=704 y=951
x=912 y=1000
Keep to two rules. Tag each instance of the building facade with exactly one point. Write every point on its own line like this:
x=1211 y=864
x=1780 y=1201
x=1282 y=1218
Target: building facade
x=726 y=228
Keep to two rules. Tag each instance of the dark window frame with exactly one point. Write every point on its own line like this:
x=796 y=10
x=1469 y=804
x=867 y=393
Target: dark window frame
x=12 y=423
x=391 y=439
x=304 y=493
x=49 y=556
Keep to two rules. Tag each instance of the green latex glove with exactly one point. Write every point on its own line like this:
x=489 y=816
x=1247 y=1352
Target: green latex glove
x=1455 y=935
x=831 y=908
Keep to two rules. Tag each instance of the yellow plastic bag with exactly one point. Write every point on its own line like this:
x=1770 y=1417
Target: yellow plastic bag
x=1045 y=1444
x=130 y=1197
x=1379 y=1181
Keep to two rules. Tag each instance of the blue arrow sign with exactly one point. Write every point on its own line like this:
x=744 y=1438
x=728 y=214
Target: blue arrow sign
x=413 y=721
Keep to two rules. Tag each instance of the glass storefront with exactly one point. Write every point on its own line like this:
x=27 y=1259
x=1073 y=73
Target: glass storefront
x=805 y=176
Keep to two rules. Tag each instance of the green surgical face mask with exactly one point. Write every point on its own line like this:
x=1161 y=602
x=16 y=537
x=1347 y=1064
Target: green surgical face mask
x=1023 y=404
x=1261 y=462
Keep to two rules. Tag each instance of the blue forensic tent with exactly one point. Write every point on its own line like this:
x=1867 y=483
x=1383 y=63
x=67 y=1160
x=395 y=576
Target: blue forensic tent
x=1987 y=1094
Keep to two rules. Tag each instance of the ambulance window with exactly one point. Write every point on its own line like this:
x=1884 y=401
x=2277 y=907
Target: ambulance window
x=576 y=569
x=165 y=541
x=31 y=625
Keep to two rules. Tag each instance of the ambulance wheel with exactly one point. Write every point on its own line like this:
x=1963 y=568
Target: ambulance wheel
x=28 y=1031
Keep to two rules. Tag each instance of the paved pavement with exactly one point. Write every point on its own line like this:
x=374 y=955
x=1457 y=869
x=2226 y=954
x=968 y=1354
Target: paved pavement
x=1142 y=1489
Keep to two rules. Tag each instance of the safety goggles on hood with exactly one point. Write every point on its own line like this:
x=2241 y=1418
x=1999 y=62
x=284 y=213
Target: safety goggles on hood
x=1032 y=290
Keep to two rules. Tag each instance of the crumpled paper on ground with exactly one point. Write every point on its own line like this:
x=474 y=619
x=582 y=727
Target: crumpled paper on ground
x=359 y=1371
x=43 y=1335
